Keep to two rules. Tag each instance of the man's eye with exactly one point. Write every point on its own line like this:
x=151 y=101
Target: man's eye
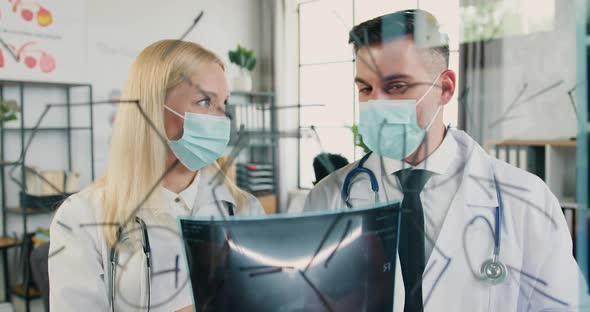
x=396 y=88
x=365 y=90
x=204 y=102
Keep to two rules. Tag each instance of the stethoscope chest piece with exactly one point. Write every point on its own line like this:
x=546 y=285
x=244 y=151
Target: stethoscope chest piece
x=493 y=271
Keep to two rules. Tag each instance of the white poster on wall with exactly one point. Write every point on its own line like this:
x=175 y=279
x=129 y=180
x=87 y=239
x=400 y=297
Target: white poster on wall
x=43 y=41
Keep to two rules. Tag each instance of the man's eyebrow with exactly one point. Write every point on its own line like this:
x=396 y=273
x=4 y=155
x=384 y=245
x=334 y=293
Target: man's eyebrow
x=385 y=79
x=360 y=80
x=394 y=77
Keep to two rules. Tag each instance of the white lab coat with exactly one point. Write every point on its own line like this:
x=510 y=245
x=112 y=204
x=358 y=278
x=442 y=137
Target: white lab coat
x=79 y=270
x=535 y=239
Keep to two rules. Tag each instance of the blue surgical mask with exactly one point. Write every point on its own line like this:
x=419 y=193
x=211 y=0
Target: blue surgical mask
x=204 y=139
x=390 y=127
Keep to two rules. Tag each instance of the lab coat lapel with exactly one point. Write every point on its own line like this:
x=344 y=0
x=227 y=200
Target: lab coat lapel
x=446 y=267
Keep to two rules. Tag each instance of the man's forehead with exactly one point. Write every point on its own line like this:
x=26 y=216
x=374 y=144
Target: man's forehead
x=395 y=57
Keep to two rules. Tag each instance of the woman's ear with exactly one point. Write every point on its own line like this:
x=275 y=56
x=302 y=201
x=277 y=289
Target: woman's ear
x=448 y=85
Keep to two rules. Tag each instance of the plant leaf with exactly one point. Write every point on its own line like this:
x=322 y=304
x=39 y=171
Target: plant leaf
x=358 y=138
x=8 y=117
x=12 y=105
x=242 y=59
x=252 y=64
x=233 y=57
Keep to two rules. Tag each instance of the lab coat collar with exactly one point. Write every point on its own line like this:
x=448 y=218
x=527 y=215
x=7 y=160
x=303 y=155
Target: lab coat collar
x=187 y=195
x=199 y=192
x=438 y=162
x=478 y=175
x=206 y=188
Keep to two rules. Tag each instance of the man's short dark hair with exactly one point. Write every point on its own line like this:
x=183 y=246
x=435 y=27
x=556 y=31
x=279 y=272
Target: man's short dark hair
x=419 y=24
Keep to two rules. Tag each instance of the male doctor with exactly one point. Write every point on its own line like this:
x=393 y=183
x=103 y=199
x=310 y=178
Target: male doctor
x=450 y=190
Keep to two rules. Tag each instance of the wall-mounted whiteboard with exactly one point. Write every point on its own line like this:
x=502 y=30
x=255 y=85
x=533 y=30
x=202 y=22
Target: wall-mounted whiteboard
x=43 y=40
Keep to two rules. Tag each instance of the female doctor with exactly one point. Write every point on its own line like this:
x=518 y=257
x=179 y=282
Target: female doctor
x=105 y=254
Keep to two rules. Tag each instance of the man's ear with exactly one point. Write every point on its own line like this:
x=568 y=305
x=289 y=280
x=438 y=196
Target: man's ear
x=448 y=83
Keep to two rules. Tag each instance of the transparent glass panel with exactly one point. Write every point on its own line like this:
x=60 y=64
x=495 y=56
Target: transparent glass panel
x=447 y=14
x=331 y=140
x=324 y=27
x=496 y=19
x=367 y=9
x=330 y=85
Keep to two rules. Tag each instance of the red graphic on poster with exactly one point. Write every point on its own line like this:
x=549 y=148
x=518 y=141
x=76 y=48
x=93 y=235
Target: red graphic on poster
x=32 y=57
x=44 y=17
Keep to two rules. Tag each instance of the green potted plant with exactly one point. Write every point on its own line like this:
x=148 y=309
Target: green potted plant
x=245 y=59
x=8 y=110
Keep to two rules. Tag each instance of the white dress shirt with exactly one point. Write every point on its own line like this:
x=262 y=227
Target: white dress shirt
x=446 y=164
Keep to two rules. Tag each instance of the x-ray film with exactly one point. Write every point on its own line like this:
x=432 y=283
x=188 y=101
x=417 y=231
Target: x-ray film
x=335 y=261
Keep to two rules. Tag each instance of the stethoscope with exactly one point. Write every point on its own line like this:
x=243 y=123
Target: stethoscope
x=492 y=270
x=147 y=251
x=360 y=168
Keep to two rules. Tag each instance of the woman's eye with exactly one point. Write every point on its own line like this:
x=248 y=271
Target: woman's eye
x=204 y=102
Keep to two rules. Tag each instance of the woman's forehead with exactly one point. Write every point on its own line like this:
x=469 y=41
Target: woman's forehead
x=211 y=79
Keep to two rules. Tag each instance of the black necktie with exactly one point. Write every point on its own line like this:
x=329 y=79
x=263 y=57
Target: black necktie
x=411 y=240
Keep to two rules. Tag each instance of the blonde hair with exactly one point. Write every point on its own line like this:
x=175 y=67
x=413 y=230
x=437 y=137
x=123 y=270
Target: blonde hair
x=138 y=155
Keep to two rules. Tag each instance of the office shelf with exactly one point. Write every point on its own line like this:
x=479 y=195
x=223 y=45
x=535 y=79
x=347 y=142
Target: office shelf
x=255 y=115
x=8 y=242
x=9 y=163
x=27 y=211
x=46 y=129
x=21 y=131
x=19 y=291
x=32 y=83
x=568 y=205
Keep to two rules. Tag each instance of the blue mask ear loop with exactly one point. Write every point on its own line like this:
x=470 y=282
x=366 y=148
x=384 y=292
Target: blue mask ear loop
x=438 y=106
x=429 y=88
